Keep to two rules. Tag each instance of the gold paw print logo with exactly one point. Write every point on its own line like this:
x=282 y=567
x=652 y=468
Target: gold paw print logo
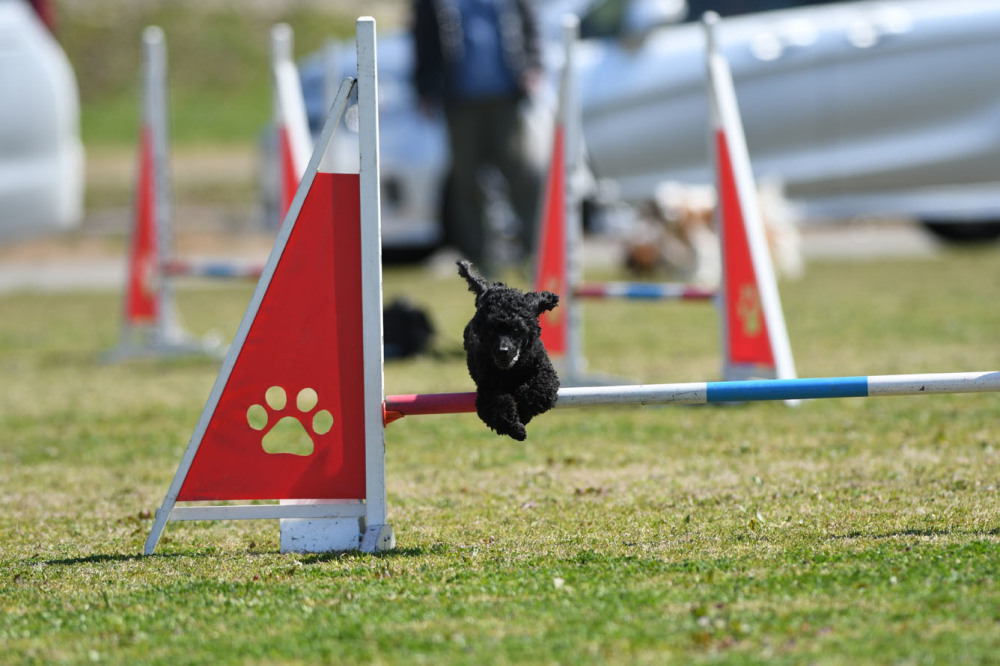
x=749 y=310
x=289 y=428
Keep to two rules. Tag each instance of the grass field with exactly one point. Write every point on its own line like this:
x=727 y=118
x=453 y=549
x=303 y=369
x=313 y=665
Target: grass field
x=219 y=82
x=218 y=60
x=843 y=531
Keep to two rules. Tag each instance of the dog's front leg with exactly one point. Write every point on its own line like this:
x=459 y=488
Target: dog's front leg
x=498 y=410
x=533 y=399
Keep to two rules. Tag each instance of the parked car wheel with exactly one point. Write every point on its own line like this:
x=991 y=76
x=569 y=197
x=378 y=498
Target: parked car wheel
x=964 y=232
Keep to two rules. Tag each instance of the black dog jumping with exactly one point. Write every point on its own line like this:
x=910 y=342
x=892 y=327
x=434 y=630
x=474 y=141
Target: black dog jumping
x=515 y=380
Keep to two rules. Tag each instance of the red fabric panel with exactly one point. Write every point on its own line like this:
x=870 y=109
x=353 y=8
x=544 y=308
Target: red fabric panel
x=307 y=333
x=141 y=302
x=552 y=270
x=748 y=341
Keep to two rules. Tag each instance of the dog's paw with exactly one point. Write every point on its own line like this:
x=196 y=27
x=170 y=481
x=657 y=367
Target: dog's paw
x=515 y=431
x=512 y=429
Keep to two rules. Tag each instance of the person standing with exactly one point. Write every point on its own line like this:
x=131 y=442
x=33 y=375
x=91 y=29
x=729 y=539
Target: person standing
x=478 y=60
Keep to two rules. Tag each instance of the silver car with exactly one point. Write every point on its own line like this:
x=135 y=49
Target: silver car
x=864 y=108
x=859 y=108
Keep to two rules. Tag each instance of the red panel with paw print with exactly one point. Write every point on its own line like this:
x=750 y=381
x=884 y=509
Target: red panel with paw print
x=748 y=340
x=289 y=423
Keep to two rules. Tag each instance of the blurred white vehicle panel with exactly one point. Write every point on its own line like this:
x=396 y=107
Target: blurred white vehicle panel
x=41 y=155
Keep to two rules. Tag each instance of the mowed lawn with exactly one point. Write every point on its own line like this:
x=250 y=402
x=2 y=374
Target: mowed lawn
x=841 y=531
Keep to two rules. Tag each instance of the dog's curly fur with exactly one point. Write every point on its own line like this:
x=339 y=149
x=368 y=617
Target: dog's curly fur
x=515 y=380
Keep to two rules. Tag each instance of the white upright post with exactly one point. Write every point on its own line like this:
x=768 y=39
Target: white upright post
x=168 y=331
x=289 y=102
x=570 y=110
x=378 y=535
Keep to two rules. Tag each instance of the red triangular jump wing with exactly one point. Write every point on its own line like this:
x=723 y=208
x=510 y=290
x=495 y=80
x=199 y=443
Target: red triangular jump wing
x=306 y=334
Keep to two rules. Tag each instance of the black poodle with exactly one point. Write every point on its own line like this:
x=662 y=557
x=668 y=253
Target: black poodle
x=515 y=380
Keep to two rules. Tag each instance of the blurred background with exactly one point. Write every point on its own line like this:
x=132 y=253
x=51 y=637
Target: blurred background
x=860 y=112
x=219 y=102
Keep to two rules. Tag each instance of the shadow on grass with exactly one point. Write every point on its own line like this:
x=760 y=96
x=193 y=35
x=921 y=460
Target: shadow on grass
x=394 y=554
x=915 y=532
x=106 y=558
x=310 y=558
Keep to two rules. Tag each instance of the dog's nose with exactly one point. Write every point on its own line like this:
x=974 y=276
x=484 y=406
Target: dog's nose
x=506 y=353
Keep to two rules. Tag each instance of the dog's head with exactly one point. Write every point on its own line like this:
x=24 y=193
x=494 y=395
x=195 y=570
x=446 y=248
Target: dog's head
x=506 y=319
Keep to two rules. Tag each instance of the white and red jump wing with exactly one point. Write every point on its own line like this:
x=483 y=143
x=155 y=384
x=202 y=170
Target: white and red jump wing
x=308 y=349
x=755 y=338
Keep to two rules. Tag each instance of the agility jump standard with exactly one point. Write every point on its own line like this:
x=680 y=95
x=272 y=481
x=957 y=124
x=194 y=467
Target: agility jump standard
x=754 y=337
x=309 y=348
x=151 y=326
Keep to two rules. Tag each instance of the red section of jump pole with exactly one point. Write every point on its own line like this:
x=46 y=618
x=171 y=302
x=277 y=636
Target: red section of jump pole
x=307 y=333
x=141 y=300
x=747 y=340
x=398 y=406
x=552 y=274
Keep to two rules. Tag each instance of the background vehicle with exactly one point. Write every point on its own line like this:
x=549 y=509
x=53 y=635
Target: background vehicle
x=864 y=108
x=41 y=154
x=859 y=108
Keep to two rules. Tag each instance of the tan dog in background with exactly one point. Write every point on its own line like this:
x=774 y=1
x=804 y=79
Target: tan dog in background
x=677 y=234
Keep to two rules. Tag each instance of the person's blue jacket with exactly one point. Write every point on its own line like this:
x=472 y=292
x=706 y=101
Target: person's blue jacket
x=439 y=39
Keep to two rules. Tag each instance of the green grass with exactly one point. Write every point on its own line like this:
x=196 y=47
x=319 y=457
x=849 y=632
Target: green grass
x=218 y=62
x=843 y=531
x=219 y=80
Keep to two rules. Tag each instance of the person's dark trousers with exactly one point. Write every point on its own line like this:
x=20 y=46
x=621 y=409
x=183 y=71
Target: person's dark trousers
x=482 y=133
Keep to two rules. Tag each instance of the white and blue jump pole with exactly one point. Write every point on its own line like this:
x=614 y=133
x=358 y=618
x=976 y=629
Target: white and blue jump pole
x=646 y=291
x=706 y=393
x=224 y=270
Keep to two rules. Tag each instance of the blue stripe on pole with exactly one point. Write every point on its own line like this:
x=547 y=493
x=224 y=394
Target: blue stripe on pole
x=639 y=290
x=213 y=270
x=788 y=389
x=223 y=270
x=645 y=291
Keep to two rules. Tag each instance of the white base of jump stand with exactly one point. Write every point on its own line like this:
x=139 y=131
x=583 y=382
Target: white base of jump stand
x=378 y=538
x=322 y=535
x=333 y=535
x=139 y=346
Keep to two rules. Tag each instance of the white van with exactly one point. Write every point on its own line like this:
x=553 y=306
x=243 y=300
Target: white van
x=41 y=154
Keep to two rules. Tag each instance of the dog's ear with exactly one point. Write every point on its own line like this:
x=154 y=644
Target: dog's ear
x=477 y=284
x=542 y=301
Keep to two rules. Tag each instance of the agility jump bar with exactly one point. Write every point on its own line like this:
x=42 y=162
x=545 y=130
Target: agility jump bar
x=700 y=393
x=663 y=291
x=211 y=269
